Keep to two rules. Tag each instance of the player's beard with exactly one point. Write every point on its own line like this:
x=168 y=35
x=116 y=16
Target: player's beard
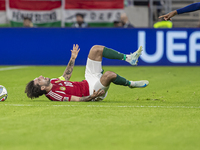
x=48 y=82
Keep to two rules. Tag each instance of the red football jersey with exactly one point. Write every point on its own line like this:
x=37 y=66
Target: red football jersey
x=63 y=90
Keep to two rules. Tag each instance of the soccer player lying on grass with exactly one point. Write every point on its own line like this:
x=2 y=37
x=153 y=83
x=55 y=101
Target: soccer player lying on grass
x=95 y=85
x=189 y=8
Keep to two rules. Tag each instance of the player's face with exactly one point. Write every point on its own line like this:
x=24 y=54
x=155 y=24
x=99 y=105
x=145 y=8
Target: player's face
x=79 y=19
x=27 y=23
x=42 y=81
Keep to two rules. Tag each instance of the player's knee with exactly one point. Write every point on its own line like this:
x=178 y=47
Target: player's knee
x=109 y=75
x=96 y=48
x=96 y=53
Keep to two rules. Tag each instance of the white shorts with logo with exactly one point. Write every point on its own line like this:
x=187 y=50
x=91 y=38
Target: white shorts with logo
x=93 y=73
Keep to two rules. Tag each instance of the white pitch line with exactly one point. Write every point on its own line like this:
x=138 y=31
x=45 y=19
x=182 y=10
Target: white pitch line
x=106 y=106
x=12 y=68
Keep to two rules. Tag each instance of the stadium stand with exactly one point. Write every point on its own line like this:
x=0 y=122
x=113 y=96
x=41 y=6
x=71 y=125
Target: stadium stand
x=141 y=13
x=154 y=9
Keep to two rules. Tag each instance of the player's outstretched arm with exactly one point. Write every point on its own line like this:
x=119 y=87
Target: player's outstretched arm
x=189 y=8
x=169 y=15
x=68 y=71
x=88 y=98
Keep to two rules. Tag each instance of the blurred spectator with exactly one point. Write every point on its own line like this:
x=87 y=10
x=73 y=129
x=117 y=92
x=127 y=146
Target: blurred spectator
x=80 y=21
x=27 y=22
x=125 y=21
x=117 y=24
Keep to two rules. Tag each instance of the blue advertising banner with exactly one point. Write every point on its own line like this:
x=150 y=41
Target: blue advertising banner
x=51 y=46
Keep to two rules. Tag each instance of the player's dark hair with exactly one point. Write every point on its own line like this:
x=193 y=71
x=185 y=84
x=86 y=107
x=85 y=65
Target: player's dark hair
x=79 y=14
x=34 y=91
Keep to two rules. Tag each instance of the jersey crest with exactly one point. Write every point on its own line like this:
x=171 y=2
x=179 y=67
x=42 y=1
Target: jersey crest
x=68 y=84
x=62 y=88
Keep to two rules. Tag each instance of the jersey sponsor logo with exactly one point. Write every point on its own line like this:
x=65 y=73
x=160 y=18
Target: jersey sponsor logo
x=60 y=84
x=68 y=84
x=62 y=88
x=66 y=99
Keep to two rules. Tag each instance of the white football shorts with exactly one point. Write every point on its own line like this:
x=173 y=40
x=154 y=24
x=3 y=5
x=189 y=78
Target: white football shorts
x=93 y=73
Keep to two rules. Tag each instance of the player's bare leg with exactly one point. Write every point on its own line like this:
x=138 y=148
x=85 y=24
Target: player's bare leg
x=97 y=52
x=107 y=78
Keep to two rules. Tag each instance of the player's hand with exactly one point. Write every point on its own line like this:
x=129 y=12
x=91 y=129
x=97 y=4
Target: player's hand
x=75 y=51
x=95 y=94
x=169 y=15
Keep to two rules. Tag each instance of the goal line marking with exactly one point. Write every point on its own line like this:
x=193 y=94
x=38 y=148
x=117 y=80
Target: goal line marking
x=21 y=105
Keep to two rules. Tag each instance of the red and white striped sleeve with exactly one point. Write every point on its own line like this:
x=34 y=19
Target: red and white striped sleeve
x=55 y=96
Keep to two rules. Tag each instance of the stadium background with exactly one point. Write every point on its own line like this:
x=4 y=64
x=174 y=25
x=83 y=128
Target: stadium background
x=163 y=116
x=177 y=46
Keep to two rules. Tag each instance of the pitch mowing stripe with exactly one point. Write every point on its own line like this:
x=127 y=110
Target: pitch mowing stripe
x=21 y=105
x=12 y=68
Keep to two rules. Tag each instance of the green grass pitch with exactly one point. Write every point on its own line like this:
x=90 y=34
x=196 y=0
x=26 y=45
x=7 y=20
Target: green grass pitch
x=163 y=116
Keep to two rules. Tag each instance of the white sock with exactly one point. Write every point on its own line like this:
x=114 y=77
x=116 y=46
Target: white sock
x=128 y=58
x=133 y=84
